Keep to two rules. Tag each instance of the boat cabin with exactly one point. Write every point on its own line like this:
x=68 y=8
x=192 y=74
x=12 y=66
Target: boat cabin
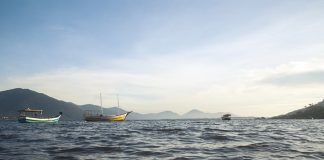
x=30 y=113
x=88 y=113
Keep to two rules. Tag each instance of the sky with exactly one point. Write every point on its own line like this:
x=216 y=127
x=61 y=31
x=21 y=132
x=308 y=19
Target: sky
x=250 y=58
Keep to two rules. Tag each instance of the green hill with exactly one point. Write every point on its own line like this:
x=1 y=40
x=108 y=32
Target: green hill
x=315 y=111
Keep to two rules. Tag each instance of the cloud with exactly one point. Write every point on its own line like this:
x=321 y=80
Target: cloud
x=296 y=73
x=306 y=78
x=78 y=85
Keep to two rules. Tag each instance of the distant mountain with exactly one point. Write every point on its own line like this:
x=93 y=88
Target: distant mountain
x=315 y=111
x=196 y=114
x=15 y=99
x=161 y=115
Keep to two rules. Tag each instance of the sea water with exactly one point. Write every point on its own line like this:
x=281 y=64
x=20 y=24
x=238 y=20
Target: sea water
x=164 y=139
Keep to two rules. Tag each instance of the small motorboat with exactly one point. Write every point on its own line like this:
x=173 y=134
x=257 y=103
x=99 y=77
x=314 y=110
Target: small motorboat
x=226 y=117
x=36 y=115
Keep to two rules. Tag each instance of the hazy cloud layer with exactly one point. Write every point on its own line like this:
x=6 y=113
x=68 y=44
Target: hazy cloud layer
x=313 y=77
x=180 y=90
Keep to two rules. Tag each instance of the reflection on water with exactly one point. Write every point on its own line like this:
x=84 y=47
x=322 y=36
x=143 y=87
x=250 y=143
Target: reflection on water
x=165 y=139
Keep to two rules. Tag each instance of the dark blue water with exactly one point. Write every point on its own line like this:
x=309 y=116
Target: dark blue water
x=165 y=139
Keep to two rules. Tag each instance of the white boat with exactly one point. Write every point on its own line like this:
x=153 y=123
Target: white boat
x=35 y=115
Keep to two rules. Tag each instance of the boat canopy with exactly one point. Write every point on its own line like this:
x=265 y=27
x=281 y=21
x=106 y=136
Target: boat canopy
x=30 y=110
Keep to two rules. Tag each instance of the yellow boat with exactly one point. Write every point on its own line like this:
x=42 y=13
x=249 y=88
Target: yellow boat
x=90 y=117
x=105 y=118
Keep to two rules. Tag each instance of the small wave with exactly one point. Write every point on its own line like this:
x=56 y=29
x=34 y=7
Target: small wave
x=115 y=136
x=277 y=138
x=254 y=146
x=220 y=130
x=181 y=158
x=193 y=129
x=95 y=137
x=269 y=146
x=188 y=158
x=83 y=150
x=166 y=130
x=170 y=130
x=152 y=153
x=147 y=146
x=182 y=149
x=72 y=150
x=65 y=157
x=314 y=155
x=200 y=123
x=2 y=149
x=107 y=149
x=52 y=148
x=213 y=136
x=33 y=140
x=132 y=131
x=82 y=138
x=8 y=136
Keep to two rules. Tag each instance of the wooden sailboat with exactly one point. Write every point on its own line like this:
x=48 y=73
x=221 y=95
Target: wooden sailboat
x=35 y=115
x=90 y=117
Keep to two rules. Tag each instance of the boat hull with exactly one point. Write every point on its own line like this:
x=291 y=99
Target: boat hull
x=25 y=119
x=103 y=118
x=226 y=118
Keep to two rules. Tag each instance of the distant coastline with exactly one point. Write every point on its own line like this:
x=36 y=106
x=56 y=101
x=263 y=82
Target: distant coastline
x=15 y=99
x=18 y=98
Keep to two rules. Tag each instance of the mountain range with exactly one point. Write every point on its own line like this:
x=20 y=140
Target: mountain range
x=15 y=99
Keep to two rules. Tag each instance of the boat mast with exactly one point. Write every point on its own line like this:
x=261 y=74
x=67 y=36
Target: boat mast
x=101 y=104
x=117 y=104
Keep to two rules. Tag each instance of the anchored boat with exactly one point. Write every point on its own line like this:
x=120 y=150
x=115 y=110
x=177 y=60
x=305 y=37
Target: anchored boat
x=226 y=117
x=35 y=115
x=105 y=118
x=91 y=117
